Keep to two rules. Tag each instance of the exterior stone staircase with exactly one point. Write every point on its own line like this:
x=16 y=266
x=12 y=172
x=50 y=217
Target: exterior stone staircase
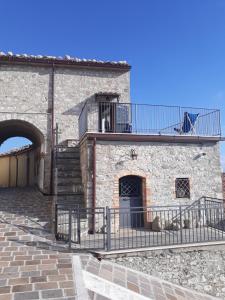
x=68 y=180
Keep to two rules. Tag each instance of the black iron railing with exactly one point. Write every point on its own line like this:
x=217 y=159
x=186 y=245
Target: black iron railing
x=140 y=227
x=148 y=119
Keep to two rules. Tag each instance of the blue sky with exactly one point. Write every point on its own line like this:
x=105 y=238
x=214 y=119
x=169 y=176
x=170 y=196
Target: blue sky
x=176 y=48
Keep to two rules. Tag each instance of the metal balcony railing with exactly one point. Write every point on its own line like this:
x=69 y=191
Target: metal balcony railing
x=110 y=117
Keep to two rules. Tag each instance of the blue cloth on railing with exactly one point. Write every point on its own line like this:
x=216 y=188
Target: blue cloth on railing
x=188 y=123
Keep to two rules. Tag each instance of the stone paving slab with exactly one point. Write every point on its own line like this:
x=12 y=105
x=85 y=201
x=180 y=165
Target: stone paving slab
x=32 y=265
x=103 y=277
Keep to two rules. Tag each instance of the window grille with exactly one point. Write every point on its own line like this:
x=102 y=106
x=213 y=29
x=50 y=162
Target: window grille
x=130 y=186
x=182 y=186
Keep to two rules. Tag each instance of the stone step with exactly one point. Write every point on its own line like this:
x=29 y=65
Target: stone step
x=68 y=168
x=69 y=181
x=71 y=200
x=68 y=149
x=69 y=173
x=72 y=189
x=66 y=155
x=70 y=143
x=67 y=161
x=71 y=203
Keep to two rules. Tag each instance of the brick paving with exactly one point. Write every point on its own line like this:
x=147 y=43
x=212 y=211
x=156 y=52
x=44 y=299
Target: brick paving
x=32 y=265
x=139 y=284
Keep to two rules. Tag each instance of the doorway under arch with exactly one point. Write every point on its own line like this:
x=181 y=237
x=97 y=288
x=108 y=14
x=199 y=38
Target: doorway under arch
x=131 y=201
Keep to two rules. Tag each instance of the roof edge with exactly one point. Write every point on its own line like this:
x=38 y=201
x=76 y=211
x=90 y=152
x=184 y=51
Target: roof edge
x=151 y=138
x=67 y=61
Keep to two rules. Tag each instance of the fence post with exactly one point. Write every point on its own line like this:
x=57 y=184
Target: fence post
x=70 y=227
x=181 y=225
x=108 y=229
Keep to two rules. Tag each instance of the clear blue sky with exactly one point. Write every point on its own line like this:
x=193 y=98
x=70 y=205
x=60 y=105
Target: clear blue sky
x=176 y=47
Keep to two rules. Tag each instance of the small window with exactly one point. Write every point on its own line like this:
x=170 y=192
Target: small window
x=182 y=186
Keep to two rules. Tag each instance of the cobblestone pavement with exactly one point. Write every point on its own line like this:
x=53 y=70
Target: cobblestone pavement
x=106 y=280
x=32 y=265
x=27 y=202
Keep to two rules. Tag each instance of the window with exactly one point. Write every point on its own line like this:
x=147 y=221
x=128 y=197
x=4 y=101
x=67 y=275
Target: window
x=182 y=186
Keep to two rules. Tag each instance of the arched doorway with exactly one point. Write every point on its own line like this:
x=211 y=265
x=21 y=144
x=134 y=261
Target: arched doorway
x=131 y=202
x=21 y=166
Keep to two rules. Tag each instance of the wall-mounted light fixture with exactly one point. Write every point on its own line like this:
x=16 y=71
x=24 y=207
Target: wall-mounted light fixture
x=199 y=155
x=133 y=154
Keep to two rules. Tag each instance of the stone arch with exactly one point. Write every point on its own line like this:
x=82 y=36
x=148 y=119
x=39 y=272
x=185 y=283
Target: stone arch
x=15 y=127
x=146 y=191
x=42 y=156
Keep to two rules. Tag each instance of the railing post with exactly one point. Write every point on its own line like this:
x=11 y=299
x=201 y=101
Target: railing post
x=181 y=225
x=108 y=229
x=70 y=227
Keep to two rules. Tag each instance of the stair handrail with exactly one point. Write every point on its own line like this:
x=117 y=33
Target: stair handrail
x=198 y=204
x=192 y=205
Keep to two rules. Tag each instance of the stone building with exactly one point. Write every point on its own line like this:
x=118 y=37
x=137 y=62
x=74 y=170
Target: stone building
x=95 y=147
x=223 y=183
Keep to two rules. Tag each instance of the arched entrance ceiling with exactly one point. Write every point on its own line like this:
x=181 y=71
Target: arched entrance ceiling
x=12 y=128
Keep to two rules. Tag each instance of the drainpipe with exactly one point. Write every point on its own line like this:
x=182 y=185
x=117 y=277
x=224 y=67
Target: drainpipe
x=94 y=185
x=52 y=128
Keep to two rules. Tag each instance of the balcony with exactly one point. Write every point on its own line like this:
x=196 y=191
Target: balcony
x=145 y=119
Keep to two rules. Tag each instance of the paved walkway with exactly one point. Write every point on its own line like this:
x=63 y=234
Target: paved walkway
x=106 y=280
x=32 y=266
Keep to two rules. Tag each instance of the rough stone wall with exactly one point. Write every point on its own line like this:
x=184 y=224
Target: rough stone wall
x=26 y=94
x=162 y=163
x=75 y=86
x=200 y=268
x=223 y=181
x=25 y=90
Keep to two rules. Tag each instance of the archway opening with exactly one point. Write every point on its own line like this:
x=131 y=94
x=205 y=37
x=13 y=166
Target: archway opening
x=131 y=201
x=21 y=144
x=14 y=143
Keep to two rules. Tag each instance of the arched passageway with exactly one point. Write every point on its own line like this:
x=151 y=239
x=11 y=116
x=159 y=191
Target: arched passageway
x=24 y=166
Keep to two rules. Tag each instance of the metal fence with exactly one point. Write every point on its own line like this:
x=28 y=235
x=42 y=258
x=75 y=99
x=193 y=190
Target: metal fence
x=140 y=227
x=78 y=227
x=148 y=119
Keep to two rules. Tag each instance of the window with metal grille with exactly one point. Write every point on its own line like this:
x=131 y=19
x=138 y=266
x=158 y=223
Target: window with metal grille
x=130 y=186
x=182 y=186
